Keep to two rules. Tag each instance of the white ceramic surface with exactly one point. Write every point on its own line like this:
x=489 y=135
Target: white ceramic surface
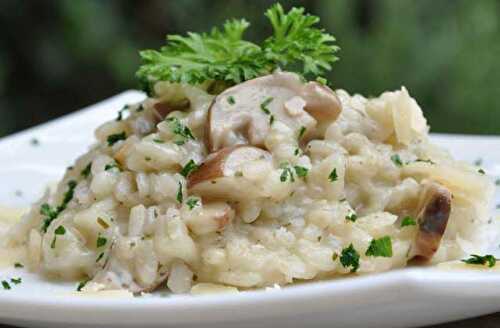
x=402 y=298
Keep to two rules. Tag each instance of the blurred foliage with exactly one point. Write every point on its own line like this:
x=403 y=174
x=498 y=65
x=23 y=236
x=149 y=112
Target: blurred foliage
x=58 y=56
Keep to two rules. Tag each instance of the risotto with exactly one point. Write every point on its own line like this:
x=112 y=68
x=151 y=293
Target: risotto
x=272 y=181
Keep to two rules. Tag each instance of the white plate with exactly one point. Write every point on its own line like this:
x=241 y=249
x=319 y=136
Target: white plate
x=402 y=298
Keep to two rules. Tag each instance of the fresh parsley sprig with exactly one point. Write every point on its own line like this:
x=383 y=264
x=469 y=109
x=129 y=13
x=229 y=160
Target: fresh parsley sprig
x=222 y=55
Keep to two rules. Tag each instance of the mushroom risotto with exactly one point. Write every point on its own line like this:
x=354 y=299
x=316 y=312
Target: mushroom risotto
x=268 y=179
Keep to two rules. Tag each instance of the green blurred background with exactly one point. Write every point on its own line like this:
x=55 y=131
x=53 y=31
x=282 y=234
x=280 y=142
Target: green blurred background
x=58 y=56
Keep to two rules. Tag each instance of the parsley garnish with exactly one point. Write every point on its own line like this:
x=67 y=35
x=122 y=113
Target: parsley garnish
x=381 y=247
x=351 y=217
x=296 y=152
x=112 y=166
x=114 y=138
x=159 y=141
x=302 y=131
x=179 y=193
x=301 y=171
x=350 y=258
x=16 y=281
x=18 y=265
x=481 y=171
x=188 y=168
x=192 y=203
x=121 y=111
x=101 y=241
x=271 y=120
x=287 y=173
x=408 y=221
x=60 y=230
x=5 y=285
x=182 y=133
x=51 y=213
x=321 y=80
x=86 y=171
x=81 y=285
x=481 y=260
x=333 y=175
x=397 y=160
x=425 y=161
x=224 y=56
x=99 y=257
x=263 y=105
x=231 y=100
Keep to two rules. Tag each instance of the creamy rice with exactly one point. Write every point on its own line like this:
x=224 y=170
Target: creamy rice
x=131 y=220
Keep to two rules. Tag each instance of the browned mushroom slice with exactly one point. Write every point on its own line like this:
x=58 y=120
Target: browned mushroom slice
x=212 y=217
x=242 y=114
x=162 y=109
x=433 y=219
x=220 y=175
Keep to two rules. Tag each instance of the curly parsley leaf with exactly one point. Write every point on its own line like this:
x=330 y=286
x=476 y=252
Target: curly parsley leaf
x=381 y=247
x=222 y=55
x=188 y=168
x=481 y=260
x=350 y=258
x=182 y=133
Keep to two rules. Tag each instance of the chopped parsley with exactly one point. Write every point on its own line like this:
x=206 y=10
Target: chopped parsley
x=425 y=161
x=81 y=285
x=86 y=171
x=158 y=141
x=296 y=152
x=192 y=203
x=351 y=217
x=182 y=133
x=481 y=171
x=114 y=138
x=112 y=166
x=381 y=247
x=18 y=265
x=333 y=175
x=301 y=171
x=408 y=221
x=287 y=173
x=397 y=160
x=60 y=230
x=231 y=100
x=140 y=108
x=271 y=120
x=481 y=260
x=350 y=258
x=16 y=281
x=52 y=213
x=5 y=285
x=179 y=193
x=99 y=257
x=121 y=111
x=101 y=241
x=302 y=131
x=189 y=168
x=264 y=104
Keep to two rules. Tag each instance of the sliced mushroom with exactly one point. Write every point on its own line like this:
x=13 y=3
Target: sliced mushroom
x=432 y=220
x=242 y=114
x=211 y=217
x=220 y=176
x=161 y=108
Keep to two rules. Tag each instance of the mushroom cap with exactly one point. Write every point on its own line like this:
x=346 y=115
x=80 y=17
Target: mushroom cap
x=218 y=176
x=242 y=114
x=432 y=220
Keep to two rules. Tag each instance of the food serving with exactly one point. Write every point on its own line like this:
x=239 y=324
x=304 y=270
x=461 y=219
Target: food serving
x=244 y=169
